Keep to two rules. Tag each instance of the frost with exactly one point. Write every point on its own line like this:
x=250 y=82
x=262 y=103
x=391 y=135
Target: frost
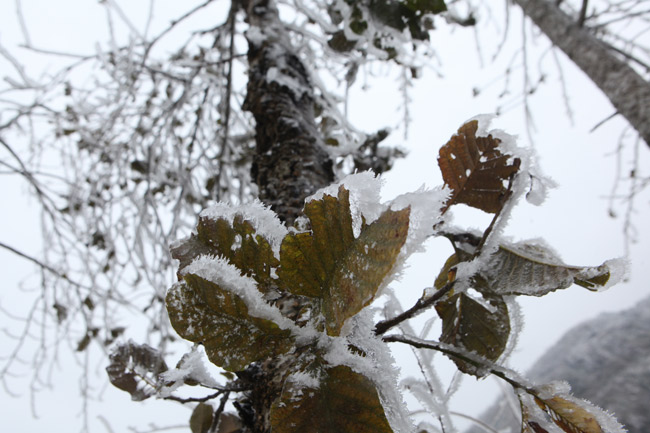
x=378 y=365
x=365 y=199
x=222 y=273
x=265 y=222
x=304 y=380
x=275 y=75
x=425 y=207
x=619 y=270
x=191 y=367
x=255 y=36
x=562 y=390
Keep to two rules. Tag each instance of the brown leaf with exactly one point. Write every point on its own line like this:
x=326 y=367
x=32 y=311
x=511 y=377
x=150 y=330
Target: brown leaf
x=469 y=325
x=344 y=402
x=201 y=419
x=135 y=369
x=569 y=416
x=475 y=170
x=202 y=312
x=330 y=264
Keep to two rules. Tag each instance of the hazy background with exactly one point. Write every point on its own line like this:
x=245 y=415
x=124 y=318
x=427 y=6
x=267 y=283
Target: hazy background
x=574 y=219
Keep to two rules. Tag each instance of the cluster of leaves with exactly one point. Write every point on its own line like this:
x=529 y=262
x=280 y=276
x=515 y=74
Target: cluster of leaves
x=480 y=175
x=369 y=20
x=234 y=290
x=331 y=272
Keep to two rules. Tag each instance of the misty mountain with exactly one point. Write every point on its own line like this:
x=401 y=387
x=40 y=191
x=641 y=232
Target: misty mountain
x=606 y=360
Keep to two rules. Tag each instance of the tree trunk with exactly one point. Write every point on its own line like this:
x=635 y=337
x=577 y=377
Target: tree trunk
x=628 y=91
x=290 y=161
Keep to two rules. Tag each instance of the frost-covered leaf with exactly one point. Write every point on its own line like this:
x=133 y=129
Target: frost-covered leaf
x=201 y=418
x=533 y=269
x=203 y=312
x=479 y=327
x=447 y=273
x=343 y=402
x=569 y=416
x=330 y=264
x=475 y=170
x=238 y=242
x=552 y=408
x=135 y=368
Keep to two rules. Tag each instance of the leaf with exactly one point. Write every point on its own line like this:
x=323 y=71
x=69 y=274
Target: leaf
x=475 y=170
x=569 y=416
x=249 y=252
x=551 y=406
x=329 y=263
x=203 y=312
x=201 y=419
x=135 y=369
x=345 y=402
x=532 y=269
x=475 y=327
x=447 y=273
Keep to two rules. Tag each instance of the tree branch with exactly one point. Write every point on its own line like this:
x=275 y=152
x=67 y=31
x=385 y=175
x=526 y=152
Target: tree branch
x=421 y=305
x=628 y=91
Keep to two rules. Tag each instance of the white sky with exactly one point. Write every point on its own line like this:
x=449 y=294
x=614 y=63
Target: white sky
x=574 y=219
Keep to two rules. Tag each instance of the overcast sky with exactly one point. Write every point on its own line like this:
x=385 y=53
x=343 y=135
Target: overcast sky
x=574 y=219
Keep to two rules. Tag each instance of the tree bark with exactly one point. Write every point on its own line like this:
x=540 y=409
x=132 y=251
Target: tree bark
x=628 y=91
x=291 y=162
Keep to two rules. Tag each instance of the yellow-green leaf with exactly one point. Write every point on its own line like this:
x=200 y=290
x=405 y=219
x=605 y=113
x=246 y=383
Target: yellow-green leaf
x=475 y=170
x=238 y=242
x=344 y=402
x=472 y=326
x=202 y=312
x=330 y=264
x=532 y=269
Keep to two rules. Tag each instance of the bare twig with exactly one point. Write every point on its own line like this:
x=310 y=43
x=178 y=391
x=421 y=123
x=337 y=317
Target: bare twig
x=421 y=305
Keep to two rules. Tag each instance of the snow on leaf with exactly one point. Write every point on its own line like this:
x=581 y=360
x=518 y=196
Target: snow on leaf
x=479 y=327
x=528 y=268
x=135 y=368
x=345 y=402
x=475 y=170
x=237 y=241
x=552 y=407
x=203 y=312
x=329 y=263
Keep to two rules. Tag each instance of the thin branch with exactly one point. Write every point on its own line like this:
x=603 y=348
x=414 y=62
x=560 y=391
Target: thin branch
x=196 y=399
x=421 y=305
x=44 y=266
x=478 y=361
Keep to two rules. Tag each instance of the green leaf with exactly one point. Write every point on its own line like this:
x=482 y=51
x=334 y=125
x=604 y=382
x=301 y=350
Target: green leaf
x=472 y=326
x=533 y=269
x=475 y=170
x=344 y=402
x=201 y=419
x=238 y=243
x=329 y=263
x=202 y=312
